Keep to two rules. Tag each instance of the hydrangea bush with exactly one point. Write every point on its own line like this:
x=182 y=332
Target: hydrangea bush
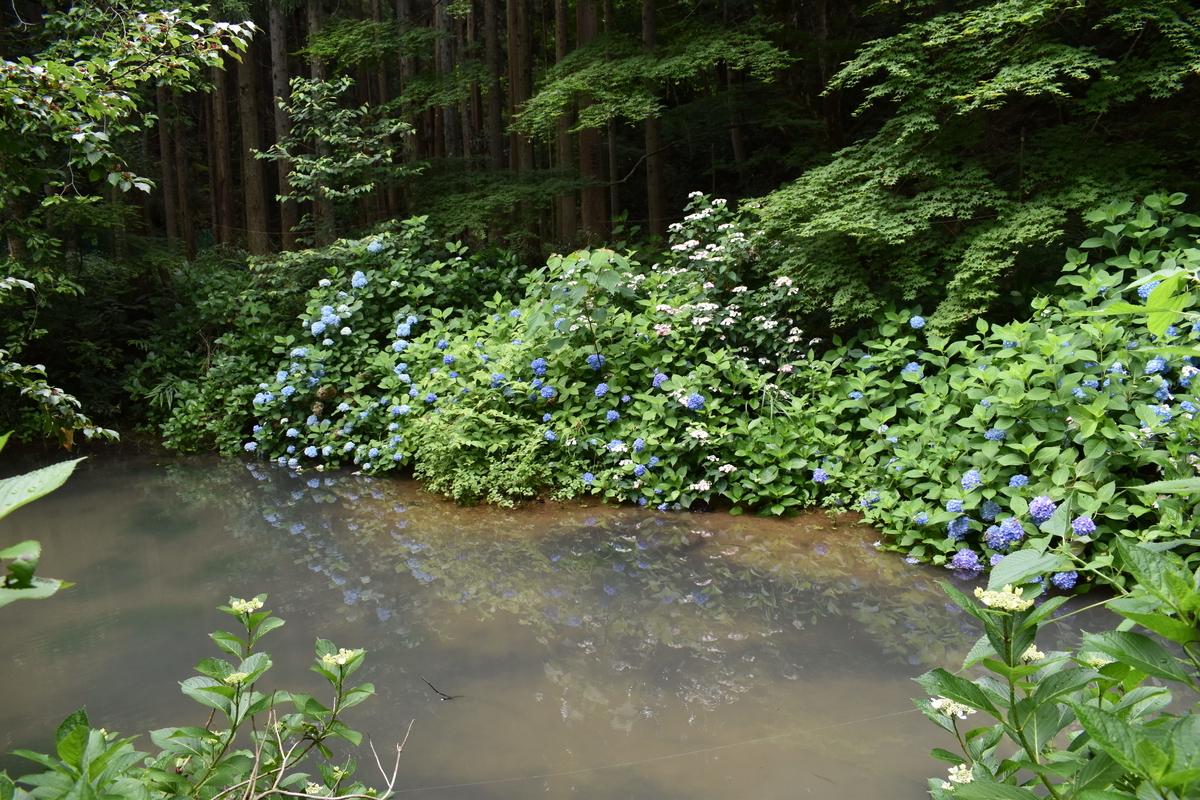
x=670 y=383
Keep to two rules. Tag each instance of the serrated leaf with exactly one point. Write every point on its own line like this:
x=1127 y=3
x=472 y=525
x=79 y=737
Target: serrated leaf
x=21 y=489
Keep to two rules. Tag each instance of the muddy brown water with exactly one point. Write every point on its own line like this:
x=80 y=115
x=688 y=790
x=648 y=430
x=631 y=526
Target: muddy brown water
x=599 y=652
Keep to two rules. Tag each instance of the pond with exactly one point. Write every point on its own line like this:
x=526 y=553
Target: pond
x=599 y=652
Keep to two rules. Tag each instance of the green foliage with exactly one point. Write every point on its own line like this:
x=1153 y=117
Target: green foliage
x=992 y=128
x=62 y=109
x=627 y=85
x=357 y=150
x=21 y=583
x=1077 y=725
x=214 y=761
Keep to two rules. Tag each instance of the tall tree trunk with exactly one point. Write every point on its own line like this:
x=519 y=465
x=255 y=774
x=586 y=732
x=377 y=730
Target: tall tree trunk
x=222 y=166
x=258 y=240
x=445 y=55
x=656 y=187
x=183 y=171
x=495 y=108
x=614 y=185
x=520 y=76
x=322 y=213
x=564 y=142
x=289 y=214
x=166 y=161
x=591 y=143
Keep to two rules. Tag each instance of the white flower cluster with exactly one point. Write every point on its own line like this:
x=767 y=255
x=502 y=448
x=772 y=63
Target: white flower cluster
x=951 y=708
x=340 y=658
x=700 y=486
x=247 y=606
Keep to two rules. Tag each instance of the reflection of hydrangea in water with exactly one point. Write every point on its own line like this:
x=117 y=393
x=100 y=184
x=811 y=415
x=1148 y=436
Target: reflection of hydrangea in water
x=1065 y=580
x=1041 y=509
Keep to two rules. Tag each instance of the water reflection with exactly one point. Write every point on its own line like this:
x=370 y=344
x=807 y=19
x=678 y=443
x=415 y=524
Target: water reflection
x=578 y=637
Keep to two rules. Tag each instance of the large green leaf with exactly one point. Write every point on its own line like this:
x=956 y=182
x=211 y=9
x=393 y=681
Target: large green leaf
x=41 y=589
x=977 y=790
x=1140 y=652
x=961 y=690
x=1182 y=486
x=1022 y=565
x=1111 y=733
x=21 y=489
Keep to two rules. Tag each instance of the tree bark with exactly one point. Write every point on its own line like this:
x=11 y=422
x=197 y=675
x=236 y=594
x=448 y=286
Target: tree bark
x=222 y=167
x=322 y=212
x=258 y=240
x=166 y=162
x=495 y=100
x=656 y=187
x=564 y=142
x=445 y=52
x=520 y=77
x=289 y=214
x=591 y=143
x=614 y=180
x=183 y=172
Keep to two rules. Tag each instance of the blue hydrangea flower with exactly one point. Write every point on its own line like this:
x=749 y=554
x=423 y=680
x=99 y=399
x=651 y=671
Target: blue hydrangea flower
x=612 y=416
x=595 y=361
x=995 y=559
x=546 y=417
x=958 y=528
x=1156 y=365
x=1083 y=526
x=547 y=392
x=374 y=247
x=911 y=367
x=539 y=366
x=310 y=451
x=588 y=478
x=359 y=280
x=615 y=445
x=1041 y=508
x=1008 y=345
x=1065 y=580
x=820 y=476
x=442 y=344
x=921 y=520
x=1017 y=481
x=292 y=433
x=653 y=460
x=514 y=313
x=972 y=480
x=966 y=560
x=403 y=330
x=447 y=360
x=917 y=323
x=299 y=352
x=694 y=402
x=639 y=470
x=989 y=510
x=250 y=447
x=1091 y=384
x=625 y=398
x=431 y=398
x=288 y=391
x=954 y=506
x=1146 y=288
x=550 y=436
x=856 y=395
x=1079 y=394
x=659 y=378
x=601 y=390
x=995 y=434
x=639 y=445
x=1188 y=406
